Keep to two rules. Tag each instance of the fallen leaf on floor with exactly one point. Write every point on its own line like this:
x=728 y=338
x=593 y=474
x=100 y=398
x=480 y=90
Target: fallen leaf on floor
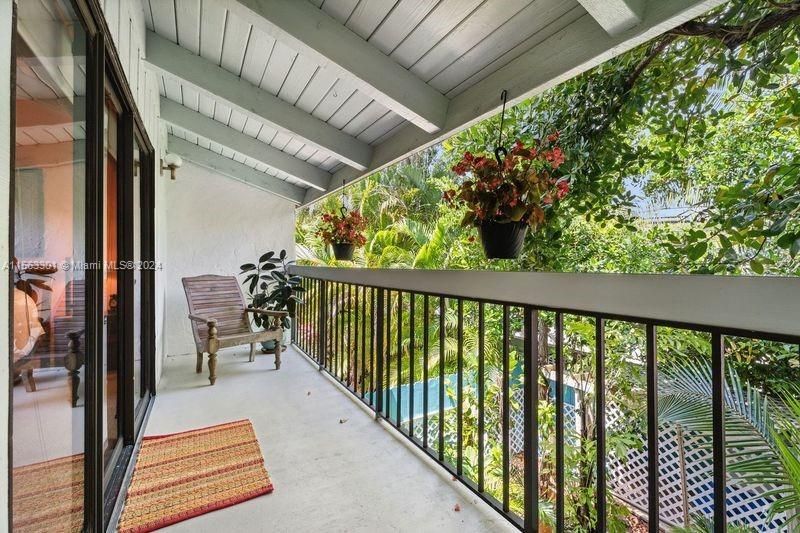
x=457 y=508
x=342 y=420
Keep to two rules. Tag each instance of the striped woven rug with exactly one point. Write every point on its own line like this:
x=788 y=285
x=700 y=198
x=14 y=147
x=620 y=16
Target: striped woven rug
x=48 y=496
x=187 y=474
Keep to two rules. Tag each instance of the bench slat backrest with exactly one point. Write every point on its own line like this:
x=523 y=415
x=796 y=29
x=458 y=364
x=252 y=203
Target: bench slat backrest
x=218 y=297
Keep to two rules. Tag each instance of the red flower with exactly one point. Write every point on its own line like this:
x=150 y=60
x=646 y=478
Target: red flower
x=562 y=189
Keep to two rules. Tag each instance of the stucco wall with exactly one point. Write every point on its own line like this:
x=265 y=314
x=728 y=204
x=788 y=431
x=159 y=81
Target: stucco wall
x=214 y=224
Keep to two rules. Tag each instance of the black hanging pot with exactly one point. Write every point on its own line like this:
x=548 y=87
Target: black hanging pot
x=502 y=240
x=343 y=251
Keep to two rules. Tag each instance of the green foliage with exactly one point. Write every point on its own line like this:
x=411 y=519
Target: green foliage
x=269 y=286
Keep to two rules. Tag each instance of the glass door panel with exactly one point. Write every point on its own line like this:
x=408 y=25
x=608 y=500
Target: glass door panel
x=138 y=388
x=49 y=295
x=111 y=345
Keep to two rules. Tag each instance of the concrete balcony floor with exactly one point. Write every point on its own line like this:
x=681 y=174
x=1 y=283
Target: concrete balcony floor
x=328 y=476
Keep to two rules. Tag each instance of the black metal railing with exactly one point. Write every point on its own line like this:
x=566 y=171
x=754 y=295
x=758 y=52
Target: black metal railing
x=458 y=373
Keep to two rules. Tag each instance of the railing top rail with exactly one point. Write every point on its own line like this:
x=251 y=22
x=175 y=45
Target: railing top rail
x=747 y=304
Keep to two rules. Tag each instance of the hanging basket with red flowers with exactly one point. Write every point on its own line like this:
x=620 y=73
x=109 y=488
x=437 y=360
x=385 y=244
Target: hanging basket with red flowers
x=504 y=197
x=344 y=232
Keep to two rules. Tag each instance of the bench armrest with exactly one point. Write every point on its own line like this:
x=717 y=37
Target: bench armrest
x=270 y=312
x=76 y=334
x=204 y=320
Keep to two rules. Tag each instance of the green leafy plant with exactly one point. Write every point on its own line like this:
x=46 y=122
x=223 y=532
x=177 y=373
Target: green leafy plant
x=524 y=187
x=27 y=284
x=761 y=432
x=270 y=286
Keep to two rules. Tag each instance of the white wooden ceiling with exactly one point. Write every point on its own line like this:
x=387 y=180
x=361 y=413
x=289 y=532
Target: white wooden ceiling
x=288 y=74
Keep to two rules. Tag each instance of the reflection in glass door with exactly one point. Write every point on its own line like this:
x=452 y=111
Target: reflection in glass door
x=111 y=326
x=49 y=295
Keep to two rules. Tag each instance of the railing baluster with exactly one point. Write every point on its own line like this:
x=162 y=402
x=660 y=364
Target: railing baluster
x=355 y=336
x=652 y=431
x=559 y=422
x=347 y=373
x=425 y=335
x=506 y=423
x=372 y=342
x=298 y=318
x=411 y=356
x=481 y=395
x=342 y=352
x=600 y=420
x=718 y=421
x=337 y=320
x=399 y=358
x=531 y=420
x=441 y=376
x=378 y=349
x=306 y=331
x=363 y=339
x=460 y=390
x=388 y=357
x=322 y=316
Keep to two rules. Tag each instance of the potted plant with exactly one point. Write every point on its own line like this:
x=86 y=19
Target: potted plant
x=505 y=197
x=270 y=286
x=344 y=232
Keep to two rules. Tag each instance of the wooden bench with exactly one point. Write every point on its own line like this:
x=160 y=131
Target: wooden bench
x=221 y=319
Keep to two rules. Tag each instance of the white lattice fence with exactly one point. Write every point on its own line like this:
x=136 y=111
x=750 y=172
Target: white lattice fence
x=746 y=504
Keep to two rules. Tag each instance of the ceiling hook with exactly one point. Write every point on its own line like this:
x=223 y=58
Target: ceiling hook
x=500 y=152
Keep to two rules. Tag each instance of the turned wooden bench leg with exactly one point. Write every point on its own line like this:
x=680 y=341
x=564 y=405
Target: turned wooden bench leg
x=73 y=363
x=213 y=346
x=212 y=367
x=199 y=367
x=252 y=352
x=278 y=354
x=28 y=381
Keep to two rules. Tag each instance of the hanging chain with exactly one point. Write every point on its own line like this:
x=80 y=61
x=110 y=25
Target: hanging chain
x=500 y=152
x=343 y=210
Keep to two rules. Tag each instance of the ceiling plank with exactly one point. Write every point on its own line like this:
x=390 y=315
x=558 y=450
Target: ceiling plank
x=211 y=129
x=313 y=32
x=234 y=170
x=581 y=46
x=175 y=61
x=615 y=16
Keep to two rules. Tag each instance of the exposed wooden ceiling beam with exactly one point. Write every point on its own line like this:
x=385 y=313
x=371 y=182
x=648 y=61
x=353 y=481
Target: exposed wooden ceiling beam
x=581 y=46
x=38 y=156
x=312 y=32
x=234 y=170
x=615 y=16
x=241 y=95
x=216 y=131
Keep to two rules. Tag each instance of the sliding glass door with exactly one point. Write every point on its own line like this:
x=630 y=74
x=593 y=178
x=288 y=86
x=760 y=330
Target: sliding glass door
x=49 y=296
x=82 y=320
